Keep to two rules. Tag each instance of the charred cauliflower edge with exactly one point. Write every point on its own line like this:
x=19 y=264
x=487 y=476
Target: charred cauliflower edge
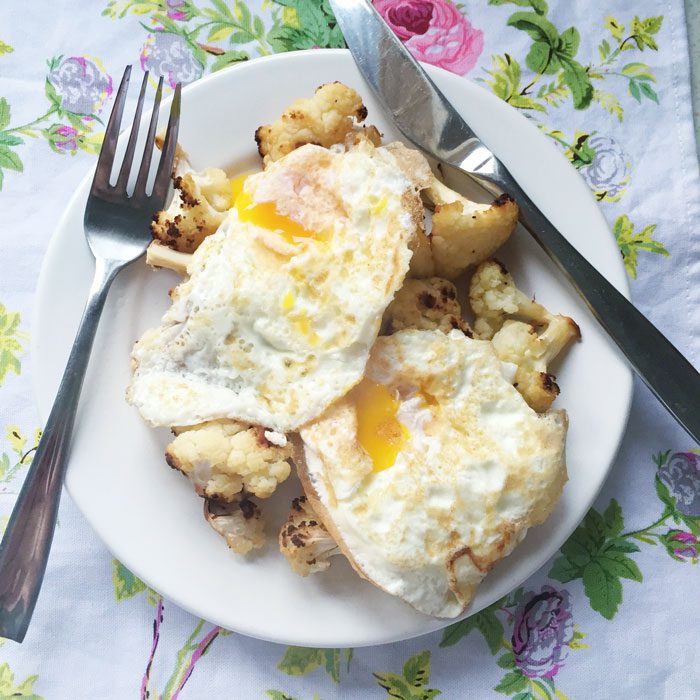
x=228 y=463
x=510 y=320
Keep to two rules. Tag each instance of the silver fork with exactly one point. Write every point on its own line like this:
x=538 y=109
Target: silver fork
x=116 y=229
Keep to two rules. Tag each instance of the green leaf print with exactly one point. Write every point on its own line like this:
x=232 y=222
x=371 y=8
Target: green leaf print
x=485 y=621
x=126 y=584
x=9 y=160
x=228 y=58
x=576 y=78
x=278 y=695
x=612 y=518
x=603 y=589
x=11 y=338
x=506 y=661
x=307 y=23
x=332 y=663
x=4 y=113
x=512 y=682
x=631 y=242
x=18 y=442
x=298 y=661
x=539 y=6
x=642 y=31
x=8 y=689
x=536 y=25
x=410 y=685
x=457 y=631
x=5 y=48
x=597 y=553
x=116 y=9
x=417 y=669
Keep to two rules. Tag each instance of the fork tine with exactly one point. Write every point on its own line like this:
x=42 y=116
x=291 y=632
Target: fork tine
x=109 y=144
x=123 y=178
x=140 y=187
x=165 y=166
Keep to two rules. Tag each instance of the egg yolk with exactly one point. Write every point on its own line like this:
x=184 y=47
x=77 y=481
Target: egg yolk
x=288 y=300
x=379 y=431
x=236 y=185
x=265 y=215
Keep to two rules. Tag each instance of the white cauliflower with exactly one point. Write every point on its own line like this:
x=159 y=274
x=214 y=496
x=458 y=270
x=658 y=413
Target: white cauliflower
x=239 y=522
x=159 y=255
x=304 y=540
x=197 y=209
x=494 y=299
x=222 y=458
x=464 y=233
x=425 y=304
x=325 y=119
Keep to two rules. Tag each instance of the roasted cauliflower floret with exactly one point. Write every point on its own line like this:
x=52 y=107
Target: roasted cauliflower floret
x=223 y=458
x=464 y=233
x=240 y=523
x=304 y=540
x=197 y=209
x=519 y=343
x=324 y=119
x=425 y=304
x=495 y=299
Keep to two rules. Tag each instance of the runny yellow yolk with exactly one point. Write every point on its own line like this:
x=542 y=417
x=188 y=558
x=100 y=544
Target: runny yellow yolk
x=265 y=215
x=379 y=431
x=236 y=185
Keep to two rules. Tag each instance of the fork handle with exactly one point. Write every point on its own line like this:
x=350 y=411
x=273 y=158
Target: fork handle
x=669 y=375
x=25 y=546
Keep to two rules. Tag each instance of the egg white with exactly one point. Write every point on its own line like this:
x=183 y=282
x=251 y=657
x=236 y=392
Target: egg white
x=270 y=330
x=480 y=468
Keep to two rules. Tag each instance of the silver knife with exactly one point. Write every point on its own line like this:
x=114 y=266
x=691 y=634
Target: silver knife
x=425 y=117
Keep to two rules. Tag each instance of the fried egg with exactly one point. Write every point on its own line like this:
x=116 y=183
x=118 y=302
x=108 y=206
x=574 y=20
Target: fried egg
x=432 y=468
x=284 y=301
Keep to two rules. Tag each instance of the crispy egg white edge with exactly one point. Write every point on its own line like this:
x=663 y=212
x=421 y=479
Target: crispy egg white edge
x=428 y=588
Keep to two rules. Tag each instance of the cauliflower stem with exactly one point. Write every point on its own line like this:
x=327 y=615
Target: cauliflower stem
x=510 y=319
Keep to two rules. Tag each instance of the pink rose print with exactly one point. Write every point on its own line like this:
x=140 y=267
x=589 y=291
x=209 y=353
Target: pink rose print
x=63 y=138
x=179 y=10
x=435 y=31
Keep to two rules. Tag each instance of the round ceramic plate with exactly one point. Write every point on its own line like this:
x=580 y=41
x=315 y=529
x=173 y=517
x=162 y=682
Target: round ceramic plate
x=148 y=515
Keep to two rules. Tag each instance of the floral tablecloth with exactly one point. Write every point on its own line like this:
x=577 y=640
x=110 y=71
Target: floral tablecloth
x=616 y=613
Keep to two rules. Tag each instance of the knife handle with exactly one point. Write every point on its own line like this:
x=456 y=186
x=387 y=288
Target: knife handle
x=669 y=375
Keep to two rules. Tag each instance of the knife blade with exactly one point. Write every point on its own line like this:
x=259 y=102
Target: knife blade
x=426 y=118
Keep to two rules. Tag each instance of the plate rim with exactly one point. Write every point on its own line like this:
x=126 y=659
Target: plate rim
x=432 y=624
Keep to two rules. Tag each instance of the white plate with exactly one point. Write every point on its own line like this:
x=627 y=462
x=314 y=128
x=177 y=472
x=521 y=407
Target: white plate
x=148 y=515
